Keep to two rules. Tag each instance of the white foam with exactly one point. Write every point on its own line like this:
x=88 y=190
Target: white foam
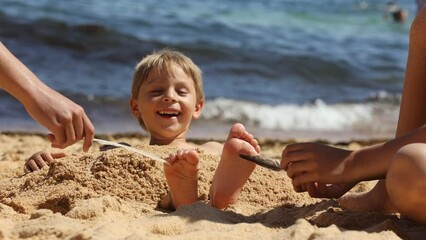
x=365 y=116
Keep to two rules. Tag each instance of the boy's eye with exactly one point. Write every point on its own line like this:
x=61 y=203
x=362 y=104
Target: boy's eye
x=182 y=92
x=156 y=91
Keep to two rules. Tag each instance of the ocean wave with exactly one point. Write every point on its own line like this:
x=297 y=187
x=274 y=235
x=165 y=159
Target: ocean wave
x=375 y=116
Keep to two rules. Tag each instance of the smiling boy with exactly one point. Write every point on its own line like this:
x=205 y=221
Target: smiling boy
x=167 y=94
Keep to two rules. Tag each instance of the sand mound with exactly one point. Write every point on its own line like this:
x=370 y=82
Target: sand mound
x=114 y=194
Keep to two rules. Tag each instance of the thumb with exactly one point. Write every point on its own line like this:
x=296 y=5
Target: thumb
x=55 y=143
x=58 y=155
x=51 y=138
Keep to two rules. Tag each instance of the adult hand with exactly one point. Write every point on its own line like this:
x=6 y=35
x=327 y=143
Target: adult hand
x=66 y=120
x=311 y=162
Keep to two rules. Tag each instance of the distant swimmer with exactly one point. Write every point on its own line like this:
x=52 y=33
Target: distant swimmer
x=398 y=14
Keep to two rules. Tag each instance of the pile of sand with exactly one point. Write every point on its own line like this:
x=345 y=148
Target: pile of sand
x=113 y=194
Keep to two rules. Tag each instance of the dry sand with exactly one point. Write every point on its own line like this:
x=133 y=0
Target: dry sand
x=113 y=195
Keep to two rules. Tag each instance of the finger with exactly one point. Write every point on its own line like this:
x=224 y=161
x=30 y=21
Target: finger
x=78 y=127
x=322 y=188
x=32 y=165
x=57 y=138
x=39 y=161
x=292 y=157
x=27 y=168
x=51 y=138
x=295 y=147
x=89 y=133
x=47 y=157
x=288 y=158
x=304 y=178
x=50 y=158
x=70 y=134
x=58 y=155
x=312 y=189
x=299 y=168
x=297 y=188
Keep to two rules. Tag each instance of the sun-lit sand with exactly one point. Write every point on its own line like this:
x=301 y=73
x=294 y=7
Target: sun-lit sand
x=114 y=194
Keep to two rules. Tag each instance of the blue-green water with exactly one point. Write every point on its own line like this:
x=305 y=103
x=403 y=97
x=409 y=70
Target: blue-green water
x=273 y=64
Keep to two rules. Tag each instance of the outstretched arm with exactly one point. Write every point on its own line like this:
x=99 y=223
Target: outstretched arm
x=311 y=162
x=66 y=120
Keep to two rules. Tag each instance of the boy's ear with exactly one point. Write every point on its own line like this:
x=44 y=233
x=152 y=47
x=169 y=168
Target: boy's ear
x=134 y=108
x=198 y=107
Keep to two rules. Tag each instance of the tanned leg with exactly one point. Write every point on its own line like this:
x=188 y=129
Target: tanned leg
x=375 y=200
x=406 y=181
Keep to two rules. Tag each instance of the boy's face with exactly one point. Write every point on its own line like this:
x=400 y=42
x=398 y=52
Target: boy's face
x=167 y=104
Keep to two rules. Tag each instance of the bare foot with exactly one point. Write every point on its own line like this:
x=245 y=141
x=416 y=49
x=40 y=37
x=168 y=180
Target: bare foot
x=233 y=171
x=376 y=199
x=182 y=179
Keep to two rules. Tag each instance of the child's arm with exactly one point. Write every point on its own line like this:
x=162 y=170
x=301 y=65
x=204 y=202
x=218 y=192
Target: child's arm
x=41 y=159
x=310 y=162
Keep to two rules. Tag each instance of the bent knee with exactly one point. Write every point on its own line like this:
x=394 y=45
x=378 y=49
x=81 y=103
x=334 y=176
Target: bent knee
x=406 y=176
x=408 y=164
x=409 y=157
x=412 y=151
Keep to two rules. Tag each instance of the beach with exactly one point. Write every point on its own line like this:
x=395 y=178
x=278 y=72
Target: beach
x=113 y=194
x=291 y=71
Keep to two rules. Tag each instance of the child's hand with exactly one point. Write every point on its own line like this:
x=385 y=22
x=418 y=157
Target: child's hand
x=311 y=162
x=41 y=159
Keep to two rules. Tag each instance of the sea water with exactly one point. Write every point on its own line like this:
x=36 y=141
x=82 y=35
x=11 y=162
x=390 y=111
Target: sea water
x=285 y=68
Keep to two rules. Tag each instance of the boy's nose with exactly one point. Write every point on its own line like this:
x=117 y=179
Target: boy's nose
x=169 y=97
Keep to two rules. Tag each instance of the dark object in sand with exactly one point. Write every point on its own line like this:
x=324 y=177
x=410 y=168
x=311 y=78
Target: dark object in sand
x=263 y=161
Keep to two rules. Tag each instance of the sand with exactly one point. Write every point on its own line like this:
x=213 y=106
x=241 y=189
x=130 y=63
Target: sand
x=114 y=194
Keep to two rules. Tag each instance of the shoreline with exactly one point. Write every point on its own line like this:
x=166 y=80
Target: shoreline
x=199 y=139
x=210 y=130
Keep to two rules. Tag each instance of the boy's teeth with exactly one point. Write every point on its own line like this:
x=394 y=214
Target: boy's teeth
x=168 y=112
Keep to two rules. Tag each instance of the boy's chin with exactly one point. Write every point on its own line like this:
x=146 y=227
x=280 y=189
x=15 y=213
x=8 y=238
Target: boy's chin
x=171 y=132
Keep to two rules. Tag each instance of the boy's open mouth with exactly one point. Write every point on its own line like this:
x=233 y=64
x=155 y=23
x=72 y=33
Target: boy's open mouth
x=168 y=113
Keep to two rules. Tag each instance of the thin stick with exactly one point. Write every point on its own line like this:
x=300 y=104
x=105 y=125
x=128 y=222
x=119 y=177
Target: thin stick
x=132 y=149
x=263 y=161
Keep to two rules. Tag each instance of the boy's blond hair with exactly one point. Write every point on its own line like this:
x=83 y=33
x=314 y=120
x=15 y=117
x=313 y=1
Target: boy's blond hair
x=166 y=59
